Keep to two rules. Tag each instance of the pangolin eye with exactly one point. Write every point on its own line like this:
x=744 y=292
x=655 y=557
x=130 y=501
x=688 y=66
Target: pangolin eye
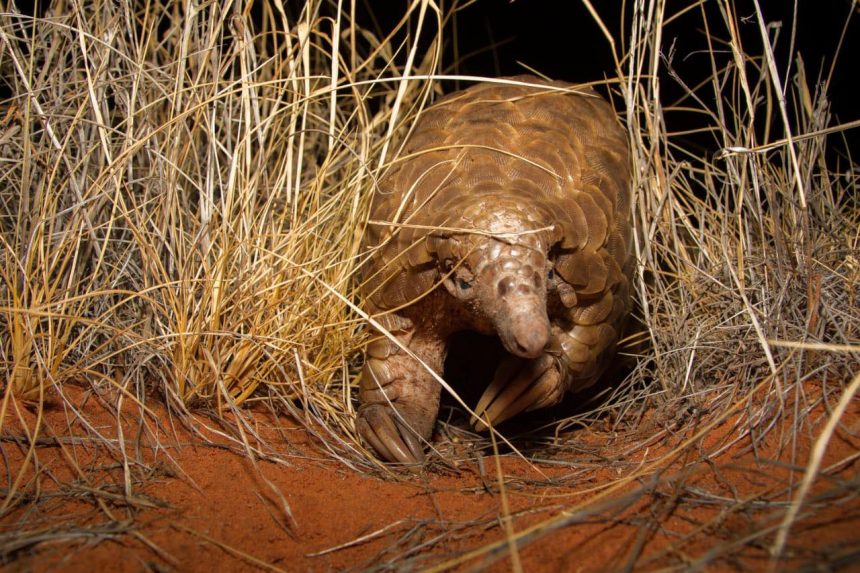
x=550 y=274
x=463 y=283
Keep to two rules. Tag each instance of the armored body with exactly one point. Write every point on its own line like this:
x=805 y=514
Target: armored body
x=506 y=213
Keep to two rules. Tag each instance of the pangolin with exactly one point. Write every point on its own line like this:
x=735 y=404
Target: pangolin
x=506 y=213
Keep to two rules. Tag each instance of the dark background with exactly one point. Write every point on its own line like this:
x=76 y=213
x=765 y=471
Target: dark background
x=559 y=38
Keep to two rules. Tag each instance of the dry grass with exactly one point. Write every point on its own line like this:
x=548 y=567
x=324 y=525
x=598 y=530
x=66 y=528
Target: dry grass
x=183 y=196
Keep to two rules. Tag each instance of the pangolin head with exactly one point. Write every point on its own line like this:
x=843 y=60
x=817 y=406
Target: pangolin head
x=500 y=274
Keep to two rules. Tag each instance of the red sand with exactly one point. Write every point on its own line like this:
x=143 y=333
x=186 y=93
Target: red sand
x=202 y=507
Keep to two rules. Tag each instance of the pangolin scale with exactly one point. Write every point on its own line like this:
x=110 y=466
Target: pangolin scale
x=507 y=213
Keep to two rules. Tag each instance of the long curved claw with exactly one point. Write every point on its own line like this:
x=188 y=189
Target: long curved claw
x=393 y=440
x=518 y=385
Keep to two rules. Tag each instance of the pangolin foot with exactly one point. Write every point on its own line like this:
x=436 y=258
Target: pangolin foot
x=389 y=435
x=519 y=385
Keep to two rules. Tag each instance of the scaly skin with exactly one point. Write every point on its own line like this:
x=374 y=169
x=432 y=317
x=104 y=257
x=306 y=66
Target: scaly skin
x=507 y=214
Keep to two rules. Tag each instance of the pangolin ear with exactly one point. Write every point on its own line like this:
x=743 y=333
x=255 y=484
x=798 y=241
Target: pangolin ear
x=555 y=235
x=420 y=254
x=430 y=242
x=440 y=246
x=425 y=251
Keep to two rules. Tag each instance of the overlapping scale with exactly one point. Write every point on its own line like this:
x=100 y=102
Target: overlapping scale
x=595 y=218
x=573 y=268
x=596 y=312
x=598 y=274
x=616 y=245
x=557 y=159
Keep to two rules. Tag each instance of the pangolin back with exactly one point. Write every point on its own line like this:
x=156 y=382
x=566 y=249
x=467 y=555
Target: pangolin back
x=552 y=151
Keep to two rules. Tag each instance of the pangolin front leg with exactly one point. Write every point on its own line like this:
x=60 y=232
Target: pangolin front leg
x=573 y=361
x=399 y=397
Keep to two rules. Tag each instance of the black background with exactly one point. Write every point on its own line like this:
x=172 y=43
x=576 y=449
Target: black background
x=560 y=39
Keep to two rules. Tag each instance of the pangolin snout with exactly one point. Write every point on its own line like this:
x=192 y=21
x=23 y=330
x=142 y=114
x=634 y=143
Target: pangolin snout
x=521 y=321
x=528 y=335
x=520 y=299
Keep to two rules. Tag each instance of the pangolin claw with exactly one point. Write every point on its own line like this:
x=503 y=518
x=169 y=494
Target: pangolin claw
x=381 y=427
x=519 y=385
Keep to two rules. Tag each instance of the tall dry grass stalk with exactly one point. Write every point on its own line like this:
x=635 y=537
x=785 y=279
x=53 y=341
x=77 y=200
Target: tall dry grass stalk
x=749 y=257
x=184 y=187
x=179 y=188
x=182 y=201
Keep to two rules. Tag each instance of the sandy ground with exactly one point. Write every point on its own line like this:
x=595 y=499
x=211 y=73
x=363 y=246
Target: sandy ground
x=616 y=501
